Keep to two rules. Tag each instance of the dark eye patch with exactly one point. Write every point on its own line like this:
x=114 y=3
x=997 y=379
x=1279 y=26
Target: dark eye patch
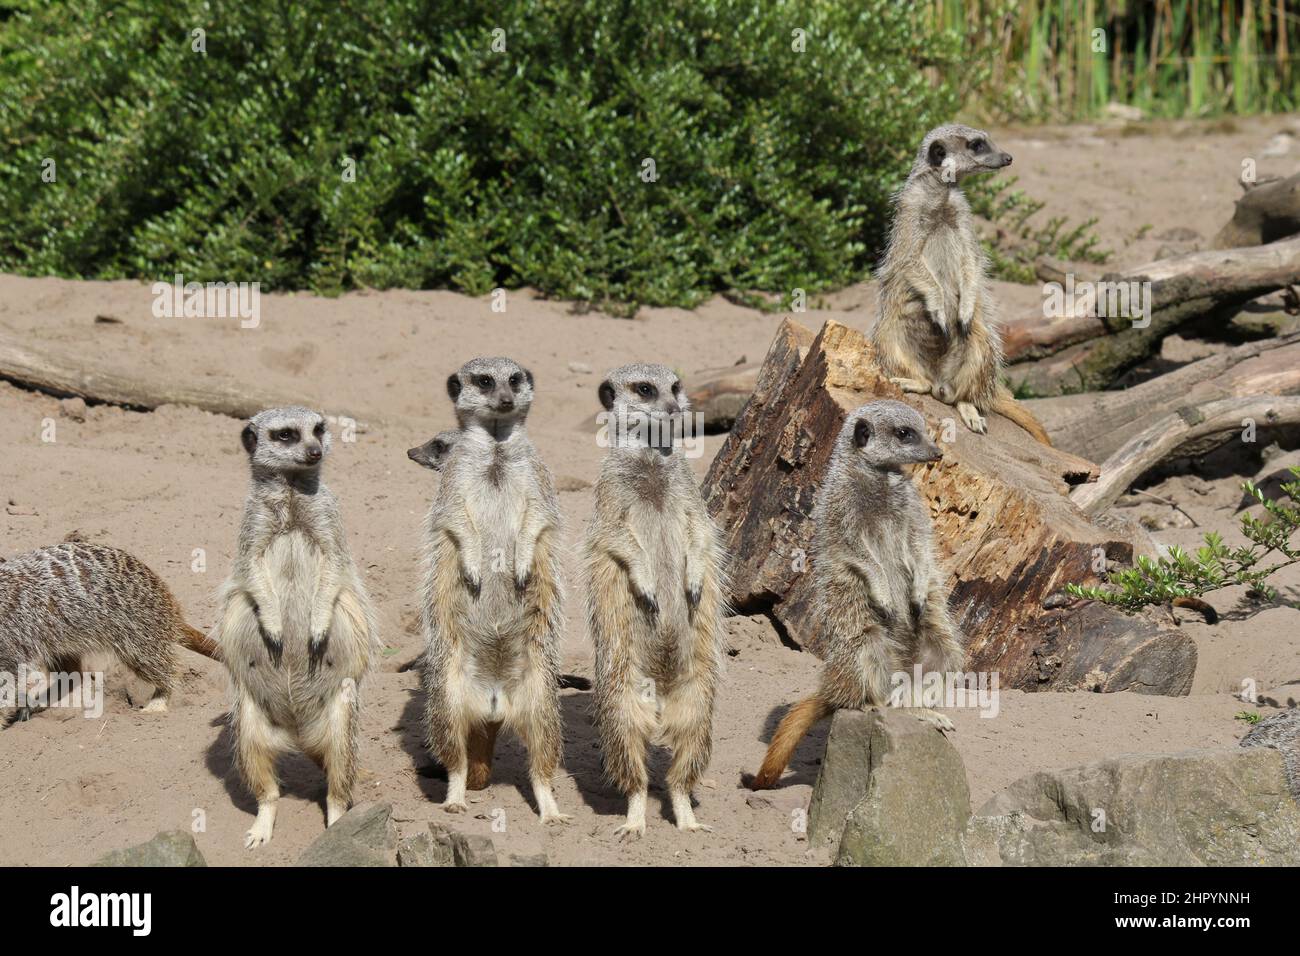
x=646 y=390
x=677 y=388
x=287 y=435
x=319 y=429
x=485 y=382
x=978 y=146
x=905 y=434
x=515 y=380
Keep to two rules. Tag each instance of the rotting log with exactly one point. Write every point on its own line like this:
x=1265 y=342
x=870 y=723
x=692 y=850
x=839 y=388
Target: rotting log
x=1004 y=527
x=63 y=376
x=720 y=396
x=1085 y=353
x=1189 y=431
x=1096 y=424
x=1267 y=211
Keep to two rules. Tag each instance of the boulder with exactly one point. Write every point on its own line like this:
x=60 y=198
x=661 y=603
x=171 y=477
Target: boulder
x=427 y=849
x=473 y=850
x=1201 y=808
x=364 y=836
x=169 y=848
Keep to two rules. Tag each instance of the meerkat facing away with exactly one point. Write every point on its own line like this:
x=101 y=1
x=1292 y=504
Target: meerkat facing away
x=492 y=601
x=64 y=601
x=935 y=331
x=881 y=598
x=433 y=453
x=654 y=571
x=297 y=630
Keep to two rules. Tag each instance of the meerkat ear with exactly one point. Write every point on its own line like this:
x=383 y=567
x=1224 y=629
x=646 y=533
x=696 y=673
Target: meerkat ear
x=453 y=386
x=861 y=433
x=529 y=375
x=606 y=393
x=249 y=438
x=937 y=153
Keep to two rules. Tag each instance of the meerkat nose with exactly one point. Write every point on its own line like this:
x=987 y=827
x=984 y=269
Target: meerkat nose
x=314 y=454
x=1006 y=159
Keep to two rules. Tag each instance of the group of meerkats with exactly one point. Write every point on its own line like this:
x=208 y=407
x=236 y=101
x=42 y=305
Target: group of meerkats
x=297 y=631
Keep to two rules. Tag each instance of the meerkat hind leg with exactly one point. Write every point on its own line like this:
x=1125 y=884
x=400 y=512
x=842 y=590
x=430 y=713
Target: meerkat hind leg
x=257 y=750
x=633 y=827
x=687 y=727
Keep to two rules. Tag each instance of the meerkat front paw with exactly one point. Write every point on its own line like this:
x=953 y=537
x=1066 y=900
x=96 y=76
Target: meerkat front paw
x=523 y=578
x=455 y=806
x=973 y=419
x=935 y=719
x=274 y=642
x=473 y=581
x=966 y=313
x=258 y=834
x=556 y=817
x=919 y=386
x=317 y=645
x=645 y=600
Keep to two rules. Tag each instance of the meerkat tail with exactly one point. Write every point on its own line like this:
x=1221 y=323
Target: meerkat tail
x=1008 y=407
x=199 y=642
x=789 y=732
x=482 y=744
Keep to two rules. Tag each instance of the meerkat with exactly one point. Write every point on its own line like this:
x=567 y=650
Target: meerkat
x=654 y=573
x=881 y=598
x=297 y=631
x=935 y=332
x=492 y=603
x=433 y=453
x=64 y=601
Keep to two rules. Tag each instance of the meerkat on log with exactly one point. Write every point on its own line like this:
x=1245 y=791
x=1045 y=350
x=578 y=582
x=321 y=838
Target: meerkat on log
x=60 y=603
x=297 y=630
x=492 y=602
x=935 y=333
x=654 y=574
x=881 y=597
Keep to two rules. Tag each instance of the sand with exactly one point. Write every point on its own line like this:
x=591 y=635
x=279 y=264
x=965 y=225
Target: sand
x=168 y=486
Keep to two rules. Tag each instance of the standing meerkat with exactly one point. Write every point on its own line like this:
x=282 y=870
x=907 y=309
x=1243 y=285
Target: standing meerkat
x=654 y=571
x=881 y=598
x=935 y=331
x=67 y=600
x=492 y=603
x=297 y=631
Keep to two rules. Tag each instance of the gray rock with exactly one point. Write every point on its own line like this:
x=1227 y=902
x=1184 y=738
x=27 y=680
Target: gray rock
x=427 y=849
x=169 y=848
x=532 y=859
x=473 y=850
x=1201 y=808
x=364 y=836
x=916 y=803
x=842 y=780
x=1281 y=732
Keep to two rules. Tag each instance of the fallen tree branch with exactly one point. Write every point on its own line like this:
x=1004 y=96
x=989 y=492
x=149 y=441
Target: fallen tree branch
x=1095 y=424
x=1192 y=430
x=1267 y=211
x=63 y=376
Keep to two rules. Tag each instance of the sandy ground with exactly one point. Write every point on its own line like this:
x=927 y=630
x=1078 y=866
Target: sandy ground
x=169 y=486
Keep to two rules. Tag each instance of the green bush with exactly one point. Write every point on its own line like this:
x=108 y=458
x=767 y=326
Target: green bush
x=474 y=168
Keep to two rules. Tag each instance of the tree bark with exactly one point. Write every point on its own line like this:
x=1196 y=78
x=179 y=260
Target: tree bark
x=48 y=371
x=1004 y=526
x=1096 y=424
x=1266 y=212
x=1086 y=353
x=1191 y=430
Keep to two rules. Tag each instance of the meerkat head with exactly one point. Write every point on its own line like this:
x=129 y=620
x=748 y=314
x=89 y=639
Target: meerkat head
x=494 y=393
x=885 y=435
x=292 y=439
x=951 y=153
x=646 y=404
x=433 y=453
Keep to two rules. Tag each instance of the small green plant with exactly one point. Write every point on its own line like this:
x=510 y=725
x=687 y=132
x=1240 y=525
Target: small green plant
x=1011 y=209
x=1249 y=716
x=1214 y=565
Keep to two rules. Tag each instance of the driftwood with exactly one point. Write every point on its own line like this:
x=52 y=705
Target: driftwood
x=1004 y=527
x=1087 y=353
x=1192 y=430
x=1096 y=424
x=719 y=397
x=64 y=376
x=1268 y=210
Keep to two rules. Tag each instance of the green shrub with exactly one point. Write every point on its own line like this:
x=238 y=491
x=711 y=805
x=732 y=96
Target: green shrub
x=474 y=168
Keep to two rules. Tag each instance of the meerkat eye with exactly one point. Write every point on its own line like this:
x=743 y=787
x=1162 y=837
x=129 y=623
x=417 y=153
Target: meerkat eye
x=905 y=434
x=288 y=435
x=515 y=379
x=978 y=146
x=677 y=388
x=319 y=429
x=646 y=390
x=485 y=382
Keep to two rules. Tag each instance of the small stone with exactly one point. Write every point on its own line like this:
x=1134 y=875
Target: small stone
x=579 y=368
x=531 y=859
x=74 y=408
x=169 y=848
x=473 y=850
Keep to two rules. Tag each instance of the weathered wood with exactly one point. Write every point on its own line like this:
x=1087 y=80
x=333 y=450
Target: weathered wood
x=1267 y=211
x=1096 y=424
x=54 y=373
x=1191 y=430
x=719 y=397
x=1004 y=526
x=1084 y=353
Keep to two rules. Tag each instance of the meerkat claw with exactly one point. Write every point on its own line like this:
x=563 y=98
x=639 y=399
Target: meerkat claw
x=455 y=806
x=630 y=832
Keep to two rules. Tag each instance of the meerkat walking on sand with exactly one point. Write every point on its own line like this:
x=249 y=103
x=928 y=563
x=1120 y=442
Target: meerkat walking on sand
x=654 y=570
x=297 y=630
x=881 y=598
x=492 y=603
x=935 y=331
x=62 y=602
